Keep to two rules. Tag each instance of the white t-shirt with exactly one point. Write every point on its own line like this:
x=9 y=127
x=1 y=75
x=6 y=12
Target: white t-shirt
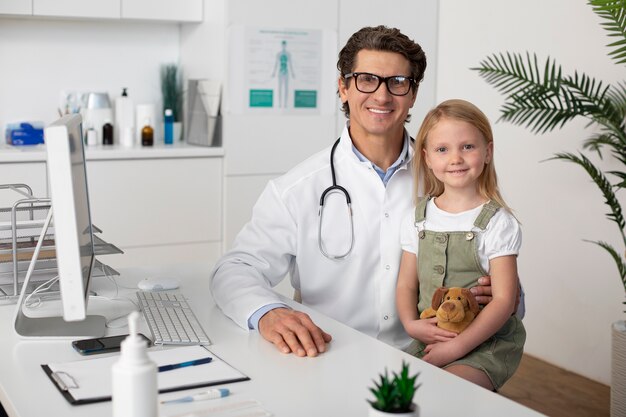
x=501 y=237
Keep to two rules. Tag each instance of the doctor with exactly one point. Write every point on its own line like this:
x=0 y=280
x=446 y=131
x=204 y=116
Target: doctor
x=342 y=264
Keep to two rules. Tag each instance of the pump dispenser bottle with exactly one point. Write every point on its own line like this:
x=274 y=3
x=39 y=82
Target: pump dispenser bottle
x=124 y=119
x=134 y=377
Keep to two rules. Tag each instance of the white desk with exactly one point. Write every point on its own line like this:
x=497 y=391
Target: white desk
x=333 y=384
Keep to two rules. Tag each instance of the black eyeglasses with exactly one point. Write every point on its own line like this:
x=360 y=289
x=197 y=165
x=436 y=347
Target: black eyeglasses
x=397 y=85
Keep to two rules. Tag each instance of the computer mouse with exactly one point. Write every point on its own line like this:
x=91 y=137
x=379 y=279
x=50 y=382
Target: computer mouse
x=158 y=284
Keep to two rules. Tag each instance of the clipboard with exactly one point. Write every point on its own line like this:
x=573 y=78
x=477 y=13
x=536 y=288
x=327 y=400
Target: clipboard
x=89 y=381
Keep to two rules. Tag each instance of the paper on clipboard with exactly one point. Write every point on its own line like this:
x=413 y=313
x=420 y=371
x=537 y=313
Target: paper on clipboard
x=89 y=380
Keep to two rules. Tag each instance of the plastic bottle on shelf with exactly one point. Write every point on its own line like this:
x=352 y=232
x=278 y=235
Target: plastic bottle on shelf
x=134 y=377
x=147 y=133
x=92 y=136
x=127 y=138
x=124 y=118
x=107 y=133
x=168 y=126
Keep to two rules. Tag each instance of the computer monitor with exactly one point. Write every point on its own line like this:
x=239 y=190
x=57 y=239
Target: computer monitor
x=67 y=181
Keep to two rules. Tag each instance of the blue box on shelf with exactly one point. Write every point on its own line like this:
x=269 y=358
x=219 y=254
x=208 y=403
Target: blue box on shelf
x=25 y=133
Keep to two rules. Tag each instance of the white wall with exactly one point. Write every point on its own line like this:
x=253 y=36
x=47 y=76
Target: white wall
x=573 y=289
x=260 y=147
x=40 y=58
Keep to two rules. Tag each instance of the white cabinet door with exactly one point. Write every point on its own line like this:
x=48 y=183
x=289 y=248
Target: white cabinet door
x=77 y=8
x=208 y=252
x=16 y=7
x=152 y=204
x=32 y=174
x=180 y=10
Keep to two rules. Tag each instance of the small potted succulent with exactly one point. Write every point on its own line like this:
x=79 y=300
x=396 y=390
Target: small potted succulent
x=394 y=396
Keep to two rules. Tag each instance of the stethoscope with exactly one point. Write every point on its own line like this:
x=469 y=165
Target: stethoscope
x=340 y=189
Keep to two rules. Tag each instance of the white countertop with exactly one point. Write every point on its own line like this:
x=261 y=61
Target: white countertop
x=37 y=153
x=332 y=384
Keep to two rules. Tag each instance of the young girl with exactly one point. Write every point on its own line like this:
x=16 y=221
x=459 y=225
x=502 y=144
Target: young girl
x=461 y=231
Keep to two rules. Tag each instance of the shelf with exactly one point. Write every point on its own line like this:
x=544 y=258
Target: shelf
x=20 y=232
x=37 y=153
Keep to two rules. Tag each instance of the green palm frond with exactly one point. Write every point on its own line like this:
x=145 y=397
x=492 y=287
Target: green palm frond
x=603 y=184
x=620 y=154
x=512 y=74
x=539 y=97
x=596 y=103
x=614 y=142
x=614 y=14
x=617 y=95
x=621 y=176
x=541 y=110
x=597 y=141
x=619 y=261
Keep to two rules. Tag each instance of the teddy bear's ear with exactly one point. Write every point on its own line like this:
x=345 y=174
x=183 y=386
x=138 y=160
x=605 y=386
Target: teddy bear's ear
x=438 y=297
x=473 y=304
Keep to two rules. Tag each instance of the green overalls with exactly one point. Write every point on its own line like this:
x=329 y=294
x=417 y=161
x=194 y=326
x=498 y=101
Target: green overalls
x=451 y=259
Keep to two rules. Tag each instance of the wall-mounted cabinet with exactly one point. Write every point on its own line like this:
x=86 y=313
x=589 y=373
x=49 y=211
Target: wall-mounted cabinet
x=159 y=205
x=77 y=8
x=180 y=10
x=160 y=10
x=17 y=7
x=160 y=211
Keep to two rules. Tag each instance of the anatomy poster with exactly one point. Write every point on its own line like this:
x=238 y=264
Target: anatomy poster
x=282 y=70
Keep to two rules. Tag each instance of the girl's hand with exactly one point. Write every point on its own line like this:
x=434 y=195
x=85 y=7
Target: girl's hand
x=441 y=354
x=426 y=331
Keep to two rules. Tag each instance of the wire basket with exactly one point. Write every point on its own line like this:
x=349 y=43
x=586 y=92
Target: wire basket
x=20 y=228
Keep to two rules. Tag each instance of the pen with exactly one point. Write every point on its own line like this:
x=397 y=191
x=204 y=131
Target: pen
x=206 y=395
x=185 y=364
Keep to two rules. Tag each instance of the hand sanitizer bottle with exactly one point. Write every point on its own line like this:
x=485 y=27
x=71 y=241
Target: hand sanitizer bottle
x=168 y=126
x=134 y=377
x=124 y=118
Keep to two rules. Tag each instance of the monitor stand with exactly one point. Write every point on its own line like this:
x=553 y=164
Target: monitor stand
x=52 y=327
x=56 y=327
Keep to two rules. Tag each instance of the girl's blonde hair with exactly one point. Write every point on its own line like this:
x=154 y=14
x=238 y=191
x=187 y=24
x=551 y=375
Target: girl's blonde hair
x=467 y=112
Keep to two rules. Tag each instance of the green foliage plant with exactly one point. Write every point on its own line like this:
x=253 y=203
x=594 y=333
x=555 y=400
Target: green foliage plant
x=395 y=395
x=172 y=90
x=543 y=98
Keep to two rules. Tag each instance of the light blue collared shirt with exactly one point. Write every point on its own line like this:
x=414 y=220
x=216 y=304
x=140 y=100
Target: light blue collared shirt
x=386 y=175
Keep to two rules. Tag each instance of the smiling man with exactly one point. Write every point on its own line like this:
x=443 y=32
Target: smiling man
x=343 y=262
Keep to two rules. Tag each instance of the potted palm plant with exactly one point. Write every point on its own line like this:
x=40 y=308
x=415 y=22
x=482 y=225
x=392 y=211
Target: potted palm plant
x=172 y=94
x=543 y=98
x=394 y=396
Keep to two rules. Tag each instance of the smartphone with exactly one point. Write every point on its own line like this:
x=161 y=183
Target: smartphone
x=102 y=344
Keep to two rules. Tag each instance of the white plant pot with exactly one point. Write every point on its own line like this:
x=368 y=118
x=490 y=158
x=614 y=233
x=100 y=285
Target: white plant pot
x=618 y=369
x=377 y=413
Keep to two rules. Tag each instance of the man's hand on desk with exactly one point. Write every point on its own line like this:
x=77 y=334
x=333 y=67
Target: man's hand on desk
x=293 y=331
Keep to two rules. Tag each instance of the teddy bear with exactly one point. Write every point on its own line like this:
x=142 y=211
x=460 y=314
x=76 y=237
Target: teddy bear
x=454 y=307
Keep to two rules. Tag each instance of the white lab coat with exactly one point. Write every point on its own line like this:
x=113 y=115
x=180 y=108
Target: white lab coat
x=282 y=238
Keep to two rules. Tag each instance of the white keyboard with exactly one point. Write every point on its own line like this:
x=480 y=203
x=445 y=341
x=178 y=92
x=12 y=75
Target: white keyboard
x=170 y=319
